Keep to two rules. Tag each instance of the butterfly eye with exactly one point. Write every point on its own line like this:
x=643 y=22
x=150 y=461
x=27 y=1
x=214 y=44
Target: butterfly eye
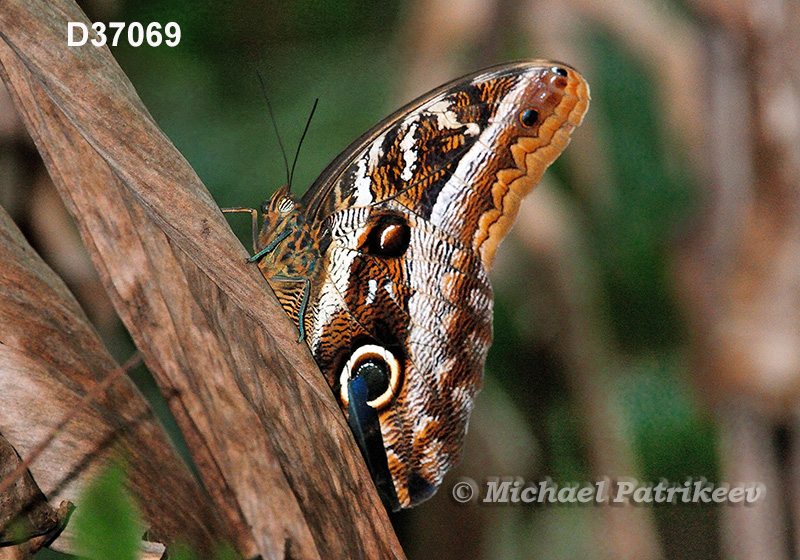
x=529 y=117
x=560 y=71
x=379 y=368
x=285 y=205
x=389 y=236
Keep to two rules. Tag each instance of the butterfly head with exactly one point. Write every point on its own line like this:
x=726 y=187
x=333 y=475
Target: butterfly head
x=283 y=203
x=281 y=214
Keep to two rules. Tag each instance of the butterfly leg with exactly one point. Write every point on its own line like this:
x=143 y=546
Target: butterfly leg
x=270 y=246
x=303 y=301
x=268 y=249
x=254 y=220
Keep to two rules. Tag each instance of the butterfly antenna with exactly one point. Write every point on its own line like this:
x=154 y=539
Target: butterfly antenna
x=275 y=126
x=299 y=144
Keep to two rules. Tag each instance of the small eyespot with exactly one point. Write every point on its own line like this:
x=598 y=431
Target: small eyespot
x=529 y=117
x=389 y=236
x=380 y=369
x=560 y=71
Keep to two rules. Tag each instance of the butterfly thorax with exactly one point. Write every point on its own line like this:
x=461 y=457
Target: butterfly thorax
x=293 y=250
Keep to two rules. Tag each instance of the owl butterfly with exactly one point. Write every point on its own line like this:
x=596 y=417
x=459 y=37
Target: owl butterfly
x=382 y=264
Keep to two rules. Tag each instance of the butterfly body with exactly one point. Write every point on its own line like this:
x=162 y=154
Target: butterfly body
x=383 y=263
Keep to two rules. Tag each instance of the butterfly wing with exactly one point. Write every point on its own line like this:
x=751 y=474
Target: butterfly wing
x=441 y=151
x=407 y=221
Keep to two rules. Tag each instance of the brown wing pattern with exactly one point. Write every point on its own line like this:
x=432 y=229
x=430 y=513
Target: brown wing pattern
x=396 y=238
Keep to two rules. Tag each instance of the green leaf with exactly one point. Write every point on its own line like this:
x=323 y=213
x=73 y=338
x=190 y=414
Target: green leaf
x=106 y=521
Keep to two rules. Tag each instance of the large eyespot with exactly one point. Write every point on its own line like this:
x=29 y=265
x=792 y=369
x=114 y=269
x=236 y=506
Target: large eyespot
x=388 y=236
x=380 y=369
x=529 y=117
x=560 y=71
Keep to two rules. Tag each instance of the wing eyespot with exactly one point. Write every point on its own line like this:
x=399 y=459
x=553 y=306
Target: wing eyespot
x=388 y=236
x=381 y=370
x=529 y=117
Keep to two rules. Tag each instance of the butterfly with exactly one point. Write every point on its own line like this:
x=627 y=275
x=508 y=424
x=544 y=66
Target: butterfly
x=383 y=263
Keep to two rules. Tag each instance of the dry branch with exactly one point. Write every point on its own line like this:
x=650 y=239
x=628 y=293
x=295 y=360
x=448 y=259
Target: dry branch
x=270 y=444
x=50 y=359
